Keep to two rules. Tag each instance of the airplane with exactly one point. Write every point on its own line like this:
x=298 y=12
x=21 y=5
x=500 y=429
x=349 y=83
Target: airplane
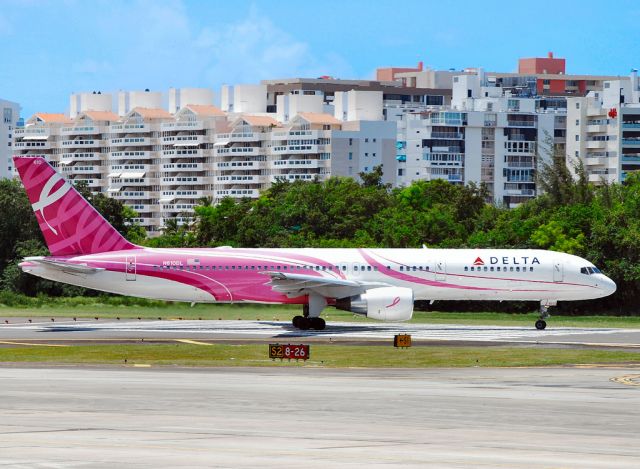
x=378 y=283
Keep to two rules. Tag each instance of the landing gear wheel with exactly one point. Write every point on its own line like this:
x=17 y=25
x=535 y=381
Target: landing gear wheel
x=318 y=324
x=541 y=324
x=304 y=323
x=296 y=321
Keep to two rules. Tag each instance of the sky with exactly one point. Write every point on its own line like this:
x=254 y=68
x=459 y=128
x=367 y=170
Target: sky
x=52 y=48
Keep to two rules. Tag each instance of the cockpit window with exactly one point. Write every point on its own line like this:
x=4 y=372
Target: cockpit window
x=590 y=270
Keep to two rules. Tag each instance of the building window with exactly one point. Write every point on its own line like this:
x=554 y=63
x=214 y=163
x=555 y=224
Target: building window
x=577 y=105
x=350 y=170
x=366 y=140
x=350 y=155
x=350 y=141
x=577 y=138
x=366 y=154
x=578 y=122
x=607 y=84
x=374 y=140
x=577 y=154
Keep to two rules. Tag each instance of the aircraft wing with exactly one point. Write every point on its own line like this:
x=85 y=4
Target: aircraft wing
x=294 y=285
x=64 y=266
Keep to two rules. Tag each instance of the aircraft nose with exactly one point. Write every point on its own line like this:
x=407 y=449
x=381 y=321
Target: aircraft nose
x=607 y=285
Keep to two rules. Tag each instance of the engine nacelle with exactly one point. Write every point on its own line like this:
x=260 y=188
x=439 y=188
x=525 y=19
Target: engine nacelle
x=384 y=303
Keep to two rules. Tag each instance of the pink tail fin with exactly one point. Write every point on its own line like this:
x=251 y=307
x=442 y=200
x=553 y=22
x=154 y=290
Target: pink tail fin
x=70 y=225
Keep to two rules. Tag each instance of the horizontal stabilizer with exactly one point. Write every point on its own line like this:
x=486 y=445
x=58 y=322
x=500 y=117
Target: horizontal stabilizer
x=61 y=265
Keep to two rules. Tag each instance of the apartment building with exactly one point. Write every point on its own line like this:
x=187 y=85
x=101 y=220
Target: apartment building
x=486 y=136
x=162 y=164
x=603 y=130
x=10 y=118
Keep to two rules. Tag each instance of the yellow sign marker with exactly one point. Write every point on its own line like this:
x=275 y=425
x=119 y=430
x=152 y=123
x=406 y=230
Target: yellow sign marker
x=194 y=342
x=627 y=380
x=33 y=345
x=402 y=340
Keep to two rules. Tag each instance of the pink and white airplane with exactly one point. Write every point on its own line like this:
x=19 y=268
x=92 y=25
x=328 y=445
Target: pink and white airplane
x=379 y=283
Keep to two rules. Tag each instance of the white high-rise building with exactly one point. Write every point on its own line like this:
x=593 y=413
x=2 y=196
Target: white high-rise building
x=603 y=130
x=10 y=117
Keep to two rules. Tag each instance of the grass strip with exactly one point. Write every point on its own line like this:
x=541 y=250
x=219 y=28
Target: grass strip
x=285 y=313
x=332 y=356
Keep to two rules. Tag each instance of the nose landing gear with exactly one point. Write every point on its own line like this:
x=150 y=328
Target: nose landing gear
x=544 y=314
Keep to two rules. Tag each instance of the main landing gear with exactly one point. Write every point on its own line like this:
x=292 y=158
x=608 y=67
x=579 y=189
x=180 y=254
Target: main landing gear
x=310 y=318
x=544 y=314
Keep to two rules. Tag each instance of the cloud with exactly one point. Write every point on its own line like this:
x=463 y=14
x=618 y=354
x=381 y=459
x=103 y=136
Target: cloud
x=6 y=27
x=164 y=45
x=92 y=67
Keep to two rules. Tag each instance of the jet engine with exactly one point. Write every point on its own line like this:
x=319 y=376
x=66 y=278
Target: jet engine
x=384 y=303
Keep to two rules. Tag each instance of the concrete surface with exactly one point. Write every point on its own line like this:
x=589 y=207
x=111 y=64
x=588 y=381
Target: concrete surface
x=318 y=418
x=69 y=330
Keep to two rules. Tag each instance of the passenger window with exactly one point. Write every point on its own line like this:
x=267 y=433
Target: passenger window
x=375 y=268
x=511 y=268
x=517 y=269
x=401 y=268
x=491 y=269
x=530 y=269
x=369 y=268
x=355 y=268
x=466 y=269
x=498 y=268
x=473 y=269
x=344 y=268
x=486 y=268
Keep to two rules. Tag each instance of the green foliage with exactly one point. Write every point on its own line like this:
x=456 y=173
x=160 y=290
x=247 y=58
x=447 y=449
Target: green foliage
x=598 y=223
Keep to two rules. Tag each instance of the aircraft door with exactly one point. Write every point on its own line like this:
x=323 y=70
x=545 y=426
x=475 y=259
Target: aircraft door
x=558 y=271
x=440 y=269
x=130 y=268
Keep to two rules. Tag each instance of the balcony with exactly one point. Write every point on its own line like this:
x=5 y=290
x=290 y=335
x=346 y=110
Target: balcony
x=184 y=126
x=129 y=128
x=237 y=193
x=183 y=153
x=83 y=143
x=183 y=140
x=82 y=130
x=298 y=149
x=233 y=165
x=29 y=144
x=447 y=135
x=293 y=164
x=91 y=183
x=119 y=194
x=596 y=128
x=224 y=139
x=182 y=167
x=526 y=192
x=596 y=143
x=79 y=169
x=248 y=151
x=295 y=134
x=521 y=147
x=130 y=155
x=294 y=177
x=144 y=208
x=130 y=141
x=519 y=164
x=79 y=156
x=520 y=123
x=240 y=179
x=183 y=180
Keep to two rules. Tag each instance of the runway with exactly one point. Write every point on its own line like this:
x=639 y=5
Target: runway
x=318 y=418
x=342 y=332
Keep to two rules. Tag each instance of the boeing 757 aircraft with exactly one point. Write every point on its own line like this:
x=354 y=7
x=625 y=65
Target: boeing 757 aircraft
x=379 y=283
